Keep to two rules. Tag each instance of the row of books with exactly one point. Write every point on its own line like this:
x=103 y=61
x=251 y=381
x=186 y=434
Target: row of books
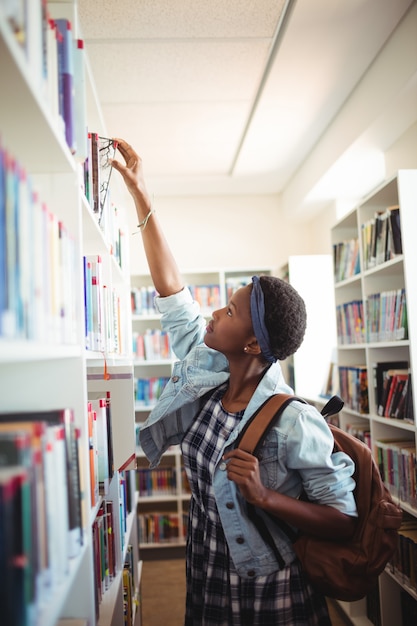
x=385 y=319
x=149 y=390
x=393 y=390
x=152 y=345
x=155 y=482
x=403 y=564
x=41 y=509
x=396 y=460
x=37 y=263
x=350 y=323
x=353 y=383
x=104 y=330
x=381 y=237
x=346 y=259
x=386 y=315
x=160 y=481
x=142 y=300
x=161 y=528
x=104 y=536
x=55 y=63
x=208 y=296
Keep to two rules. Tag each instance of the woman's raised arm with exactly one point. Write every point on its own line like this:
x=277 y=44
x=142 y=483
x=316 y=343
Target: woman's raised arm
x=162 y=265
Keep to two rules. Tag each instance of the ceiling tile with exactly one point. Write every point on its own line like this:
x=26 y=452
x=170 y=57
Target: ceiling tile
x=177 y=71
x=201 y=142
x=168 y=19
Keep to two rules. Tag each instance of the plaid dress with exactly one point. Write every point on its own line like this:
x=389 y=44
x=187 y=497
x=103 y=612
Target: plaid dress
x=216 y=595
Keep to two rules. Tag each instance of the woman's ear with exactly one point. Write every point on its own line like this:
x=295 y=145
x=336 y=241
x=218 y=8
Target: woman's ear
x=252 y=347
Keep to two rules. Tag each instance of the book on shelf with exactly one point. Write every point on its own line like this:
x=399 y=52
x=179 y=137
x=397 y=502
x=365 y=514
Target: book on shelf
x=16 y=591
x=93 y=454
x=52 y=88
x=66 y=78
x=100 y=404
x=80 y=106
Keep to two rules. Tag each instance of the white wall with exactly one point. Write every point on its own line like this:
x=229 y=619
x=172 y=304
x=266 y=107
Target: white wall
x=224 y=232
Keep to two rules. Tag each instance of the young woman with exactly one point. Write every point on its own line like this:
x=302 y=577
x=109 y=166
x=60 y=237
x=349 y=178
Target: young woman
x=225 y=371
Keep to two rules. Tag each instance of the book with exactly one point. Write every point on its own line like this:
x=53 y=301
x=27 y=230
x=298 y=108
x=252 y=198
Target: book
x=395 y=228
x=16 y=603
x=52 y=88
x=93 y=452
x=98 y=405
x=80 y=106
x=66 y=78
x=16 y=450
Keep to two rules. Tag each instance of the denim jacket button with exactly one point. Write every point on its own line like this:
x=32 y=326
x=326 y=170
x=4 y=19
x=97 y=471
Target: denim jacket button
x=240 y=540
x=230 y=505
x=223 y=466
x=175 y=379
x=251 y=573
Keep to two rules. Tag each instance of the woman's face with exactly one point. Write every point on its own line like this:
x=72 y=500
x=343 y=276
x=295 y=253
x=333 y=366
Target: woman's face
x=230 y=328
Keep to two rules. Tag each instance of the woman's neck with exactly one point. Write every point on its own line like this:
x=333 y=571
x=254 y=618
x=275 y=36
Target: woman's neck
x=242 y=386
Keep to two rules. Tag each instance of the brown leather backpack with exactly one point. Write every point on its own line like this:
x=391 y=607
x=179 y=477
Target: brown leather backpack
x=346 y=570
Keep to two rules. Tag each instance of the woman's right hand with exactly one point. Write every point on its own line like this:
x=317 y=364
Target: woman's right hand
x=132 y=173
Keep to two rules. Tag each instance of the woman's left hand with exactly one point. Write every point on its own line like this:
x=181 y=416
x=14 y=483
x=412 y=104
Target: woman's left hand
x=243 y=469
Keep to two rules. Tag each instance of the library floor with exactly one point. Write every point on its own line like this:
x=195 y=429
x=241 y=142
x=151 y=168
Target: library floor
x=163 y=594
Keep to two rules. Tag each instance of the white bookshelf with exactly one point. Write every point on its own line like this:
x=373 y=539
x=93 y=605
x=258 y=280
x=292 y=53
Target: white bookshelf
x=393 y=274
x=48 y=373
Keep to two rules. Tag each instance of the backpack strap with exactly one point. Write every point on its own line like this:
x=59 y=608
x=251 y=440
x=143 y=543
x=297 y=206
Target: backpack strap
x=261 y=422
x=250 y=439
x=258 y=426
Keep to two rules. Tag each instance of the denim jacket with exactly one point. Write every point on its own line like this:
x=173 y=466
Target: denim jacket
x=297 y=453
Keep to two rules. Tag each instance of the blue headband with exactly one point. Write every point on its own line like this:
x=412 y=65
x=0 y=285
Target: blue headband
x=257 y=308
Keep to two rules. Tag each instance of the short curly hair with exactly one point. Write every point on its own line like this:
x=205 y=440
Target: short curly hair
x=285 y=316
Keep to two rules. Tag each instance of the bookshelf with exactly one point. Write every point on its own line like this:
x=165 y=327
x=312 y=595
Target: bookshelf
x=376 y=350
x=47 y=228
x=167 y=505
